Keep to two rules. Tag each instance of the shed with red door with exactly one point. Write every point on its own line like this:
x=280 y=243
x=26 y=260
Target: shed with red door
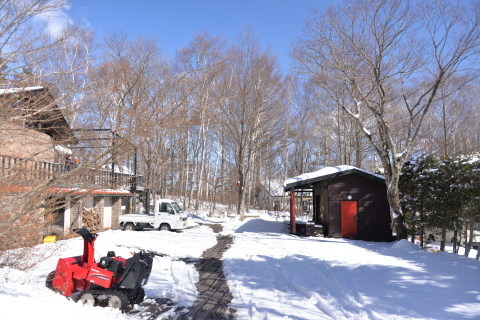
x=347 y=201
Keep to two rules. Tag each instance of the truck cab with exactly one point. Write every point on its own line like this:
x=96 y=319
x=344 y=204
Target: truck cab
x=166 y=215
x=170 y=214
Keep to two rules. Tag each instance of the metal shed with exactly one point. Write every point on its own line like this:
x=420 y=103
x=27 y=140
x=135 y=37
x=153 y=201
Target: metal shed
x=347 y=201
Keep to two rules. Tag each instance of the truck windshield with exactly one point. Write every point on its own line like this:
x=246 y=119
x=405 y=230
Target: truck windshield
x=176 y=207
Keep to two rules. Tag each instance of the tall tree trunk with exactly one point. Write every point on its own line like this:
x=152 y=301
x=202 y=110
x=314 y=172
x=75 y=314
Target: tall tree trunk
x=185 y=169
x=171 y=166
x=222 y=175
x=413 y=228
x=202 y=168
x=468 y=245
x=443 y=240
x=422 y=229
x=215 y=183
x=241 y=195
x=207 y=179
x=398 y=226
x=194 y=177
x=358 y=146
x=455 y=245
x=248 y=184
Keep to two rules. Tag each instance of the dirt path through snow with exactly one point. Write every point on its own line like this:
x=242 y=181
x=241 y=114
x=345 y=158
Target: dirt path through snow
x=213 y=293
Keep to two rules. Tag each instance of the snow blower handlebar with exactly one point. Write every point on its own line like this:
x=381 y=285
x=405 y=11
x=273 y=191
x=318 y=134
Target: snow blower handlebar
x=154 y=253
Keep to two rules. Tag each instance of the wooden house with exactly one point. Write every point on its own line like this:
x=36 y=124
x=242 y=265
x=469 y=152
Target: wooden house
x=348 y=202
x=35 y=142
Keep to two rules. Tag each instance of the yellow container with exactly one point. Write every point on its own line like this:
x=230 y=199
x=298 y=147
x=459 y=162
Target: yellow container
x=49 y=239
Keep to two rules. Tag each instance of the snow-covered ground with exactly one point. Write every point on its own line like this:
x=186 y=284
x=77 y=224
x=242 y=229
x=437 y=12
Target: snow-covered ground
x=272 y=275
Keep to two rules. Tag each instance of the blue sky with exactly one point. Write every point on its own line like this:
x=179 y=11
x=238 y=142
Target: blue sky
x=174 y=23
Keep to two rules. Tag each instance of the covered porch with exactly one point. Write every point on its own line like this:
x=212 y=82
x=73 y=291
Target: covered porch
x=306 y=218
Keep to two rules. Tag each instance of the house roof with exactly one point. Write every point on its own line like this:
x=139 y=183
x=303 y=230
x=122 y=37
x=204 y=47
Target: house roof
x=307 y=179
x=48 y=114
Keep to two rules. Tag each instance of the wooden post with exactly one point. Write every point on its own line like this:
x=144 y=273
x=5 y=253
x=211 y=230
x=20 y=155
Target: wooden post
x=292 y=212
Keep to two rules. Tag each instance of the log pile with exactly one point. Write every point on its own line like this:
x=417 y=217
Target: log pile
x=91 y=219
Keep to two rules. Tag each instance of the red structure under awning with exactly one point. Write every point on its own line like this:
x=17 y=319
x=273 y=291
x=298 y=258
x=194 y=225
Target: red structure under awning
x=293 y=212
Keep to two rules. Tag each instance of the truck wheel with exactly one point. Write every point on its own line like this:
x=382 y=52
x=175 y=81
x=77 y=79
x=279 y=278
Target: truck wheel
x=129 y=227
x=164 y=227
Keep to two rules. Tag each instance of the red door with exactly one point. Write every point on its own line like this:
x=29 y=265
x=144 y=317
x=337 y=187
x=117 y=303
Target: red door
x=348 y=218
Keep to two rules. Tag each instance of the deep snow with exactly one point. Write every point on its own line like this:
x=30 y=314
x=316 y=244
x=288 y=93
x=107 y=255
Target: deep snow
x=272 y=275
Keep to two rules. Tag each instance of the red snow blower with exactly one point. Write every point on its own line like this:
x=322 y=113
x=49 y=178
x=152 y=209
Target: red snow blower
x=114 y=281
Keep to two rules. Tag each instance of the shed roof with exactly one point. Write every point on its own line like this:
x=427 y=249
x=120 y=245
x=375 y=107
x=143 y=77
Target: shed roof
x=307 y=179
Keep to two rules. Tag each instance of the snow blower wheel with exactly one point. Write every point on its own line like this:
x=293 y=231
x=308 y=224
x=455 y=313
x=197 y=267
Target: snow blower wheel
x=117 y=301
x=114 y=281
x=49 y=280
x=87 y=299
x=136 y=299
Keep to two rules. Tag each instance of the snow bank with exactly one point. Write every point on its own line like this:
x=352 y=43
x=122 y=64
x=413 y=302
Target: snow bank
x=405 y=245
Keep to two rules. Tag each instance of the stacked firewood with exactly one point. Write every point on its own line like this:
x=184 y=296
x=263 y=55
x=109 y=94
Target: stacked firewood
x=91 y=219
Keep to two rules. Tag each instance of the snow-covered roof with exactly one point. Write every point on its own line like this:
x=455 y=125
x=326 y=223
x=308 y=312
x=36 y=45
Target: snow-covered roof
x=62 y=149
x=15 y=90
x=327 y=173
x=117 y=169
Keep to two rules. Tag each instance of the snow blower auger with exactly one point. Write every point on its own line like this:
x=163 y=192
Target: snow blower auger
x=113 y=282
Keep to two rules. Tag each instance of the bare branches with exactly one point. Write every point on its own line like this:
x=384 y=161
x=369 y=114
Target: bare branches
x=381 y=54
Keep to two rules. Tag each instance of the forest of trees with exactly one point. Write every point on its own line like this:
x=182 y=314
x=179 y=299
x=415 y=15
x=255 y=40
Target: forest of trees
x=375 y=84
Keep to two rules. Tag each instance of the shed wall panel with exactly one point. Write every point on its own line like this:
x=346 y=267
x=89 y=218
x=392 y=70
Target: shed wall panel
x=373 y=208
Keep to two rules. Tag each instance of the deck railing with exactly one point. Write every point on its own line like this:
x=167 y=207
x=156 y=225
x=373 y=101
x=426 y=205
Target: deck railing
x=26 y=171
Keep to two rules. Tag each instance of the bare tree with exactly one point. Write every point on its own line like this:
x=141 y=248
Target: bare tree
x=451 y=129
x=253 y=117
x=383 y=63
x=204 y=61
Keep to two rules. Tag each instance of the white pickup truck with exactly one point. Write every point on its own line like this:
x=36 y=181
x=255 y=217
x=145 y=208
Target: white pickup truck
x=167 y=215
